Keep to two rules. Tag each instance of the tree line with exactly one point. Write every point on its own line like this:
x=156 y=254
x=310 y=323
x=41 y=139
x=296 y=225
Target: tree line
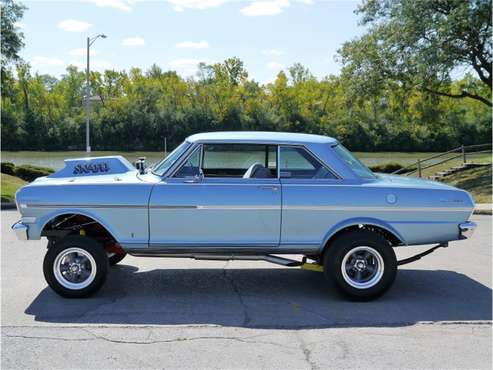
x=395 y=91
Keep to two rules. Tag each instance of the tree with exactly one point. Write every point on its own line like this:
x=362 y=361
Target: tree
x=299 y=73
x=421 y=43
x=141 y=108
x=12 y=38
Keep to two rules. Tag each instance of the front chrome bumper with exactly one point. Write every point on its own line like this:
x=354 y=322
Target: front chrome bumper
x=467 y=229
x=20 y=230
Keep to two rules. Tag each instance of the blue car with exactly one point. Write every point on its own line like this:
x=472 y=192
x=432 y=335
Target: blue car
x=244 y=196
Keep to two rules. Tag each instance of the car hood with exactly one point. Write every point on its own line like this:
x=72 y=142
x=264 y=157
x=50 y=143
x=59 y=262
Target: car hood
x=123 y=178
x=96 y=170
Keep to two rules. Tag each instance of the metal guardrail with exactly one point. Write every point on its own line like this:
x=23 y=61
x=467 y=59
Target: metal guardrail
x=463 y=150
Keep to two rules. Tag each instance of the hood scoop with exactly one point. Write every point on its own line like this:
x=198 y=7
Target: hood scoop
x=94 y=166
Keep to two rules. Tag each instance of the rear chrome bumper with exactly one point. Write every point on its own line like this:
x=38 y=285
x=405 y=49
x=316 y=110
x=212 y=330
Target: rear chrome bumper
x=20 y=230
x=467 y=229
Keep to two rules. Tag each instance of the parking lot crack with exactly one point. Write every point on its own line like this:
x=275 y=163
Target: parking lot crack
x=228 y=277
x=36 y=337
x=307 y=354
x=95 y=336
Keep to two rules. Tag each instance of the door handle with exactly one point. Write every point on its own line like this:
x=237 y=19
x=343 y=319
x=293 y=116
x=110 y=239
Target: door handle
x=269 y=187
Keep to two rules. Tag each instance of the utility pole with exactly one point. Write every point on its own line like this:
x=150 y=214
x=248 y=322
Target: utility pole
x=90 y=41
x=88 y=143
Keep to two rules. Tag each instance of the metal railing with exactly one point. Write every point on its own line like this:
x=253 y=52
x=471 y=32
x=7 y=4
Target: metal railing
x=464 y=151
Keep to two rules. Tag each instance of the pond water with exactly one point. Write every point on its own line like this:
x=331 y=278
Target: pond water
x=55 y=159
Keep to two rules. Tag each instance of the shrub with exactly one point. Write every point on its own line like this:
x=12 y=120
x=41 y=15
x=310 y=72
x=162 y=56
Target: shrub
x=386 y=167
x=7 y=168
x=30 y=173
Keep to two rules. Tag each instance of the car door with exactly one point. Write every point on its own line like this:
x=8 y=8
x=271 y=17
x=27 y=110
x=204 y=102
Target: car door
x=309 y=188
x=208 y=202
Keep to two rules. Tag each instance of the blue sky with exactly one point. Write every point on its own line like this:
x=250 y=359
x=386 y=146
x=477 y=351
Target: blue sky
x=177 y=34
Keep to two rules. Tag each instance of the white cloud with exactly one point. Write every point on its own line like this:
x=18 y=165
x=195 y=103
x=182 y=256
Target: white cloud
x=186 y=66
x=40 y=61
x=275 y=65
x=72 y=25
x=19 y=25
x=181 y=5
x=133 y=41
x=122 y=5
x=193 y=45
x=262 y=8
x=273 y=52
x=82 y=52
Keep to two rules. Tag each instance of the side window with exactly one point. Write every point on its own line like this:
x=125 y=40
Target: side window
x=240 y=160
x=297 y=163
x=191 y=167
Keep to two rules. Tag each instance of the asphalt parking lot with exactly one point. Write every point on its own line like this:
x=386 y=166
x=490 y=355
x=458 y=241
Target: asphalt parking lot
x=180 y=313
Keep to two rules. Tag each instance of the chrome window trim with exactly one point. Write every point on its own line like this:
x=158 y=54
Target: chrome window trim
x=191 y=150
x=317 y=158
x=278 y=162
x=201 y=159
x=184 y=160
x=178 y=162
x=171 y=167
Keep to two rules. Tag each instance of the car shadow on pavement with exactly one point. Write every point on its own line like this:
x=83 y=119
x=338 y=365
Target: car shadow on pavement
x=264 y=298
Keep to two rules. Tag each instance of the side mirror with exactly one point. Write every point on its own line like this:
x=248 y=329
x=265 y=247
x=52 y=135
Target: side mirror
x=140 y=164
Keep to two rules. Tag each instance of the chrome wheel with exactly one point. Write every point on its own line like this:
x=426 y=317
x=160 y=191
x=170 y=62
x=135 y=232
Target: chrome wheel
x=74 y=268
x=362 y=267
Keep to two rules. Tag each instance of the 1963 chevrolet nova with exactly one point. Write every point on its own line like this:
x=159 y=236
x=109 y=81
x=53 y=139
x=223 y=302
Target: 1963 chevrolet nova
x=239 y=195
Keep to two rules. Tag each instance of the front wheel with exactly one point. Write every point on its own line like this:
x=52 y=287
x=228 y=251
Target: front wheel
x=75 y=266
x=361 y=264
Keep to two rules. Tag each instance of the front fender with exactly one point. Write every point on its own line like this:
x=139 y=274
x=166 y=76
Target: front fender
x=36 y=228
x=362 y=221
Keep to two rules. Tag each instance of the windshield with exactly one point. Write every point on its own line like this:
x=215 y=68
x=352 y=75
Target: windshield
x=359 y=168
x=163 y=166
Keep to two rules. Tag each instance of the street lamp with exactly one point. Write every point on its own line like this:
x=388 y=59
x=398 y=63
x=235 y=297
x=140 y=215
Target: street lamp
x=90 y=41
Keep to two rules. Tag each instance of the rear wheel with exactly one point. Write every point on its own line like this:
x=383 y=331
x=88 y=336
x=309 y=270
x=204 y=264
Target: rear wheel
x=361 y=264
x=76 y=266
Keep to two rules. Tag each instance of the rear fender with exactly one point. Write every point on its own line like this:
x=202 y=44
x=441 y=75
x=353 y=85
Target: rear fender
x=362 y=221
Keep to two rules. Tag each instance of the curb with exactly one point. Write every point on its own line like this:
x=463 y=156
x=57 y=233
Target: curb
x=8 y=205
x=483 y=209
x=483 y=212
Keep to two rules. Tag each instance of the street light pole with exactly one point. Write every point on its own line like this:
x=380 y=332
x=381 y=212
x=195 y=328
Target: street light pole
x=88 y=144
x=88 y=92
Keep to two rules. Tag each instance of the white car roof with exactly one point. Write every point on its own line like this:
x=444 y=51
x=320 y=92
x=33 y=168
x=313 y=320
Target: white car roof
x=261 y=136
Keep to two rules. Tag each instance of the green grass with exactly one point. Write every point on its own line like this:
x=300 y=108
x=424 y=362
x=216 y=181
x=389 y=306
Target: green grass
x=482 y=158
x=9 y=185
x=477 y=181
